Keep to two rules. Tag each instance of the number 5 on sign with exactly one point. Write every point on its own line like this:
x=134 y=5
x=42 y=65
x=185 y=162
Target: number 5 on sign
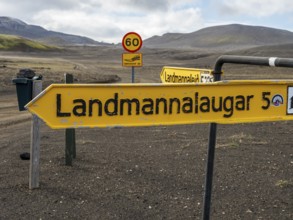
x=132 y=42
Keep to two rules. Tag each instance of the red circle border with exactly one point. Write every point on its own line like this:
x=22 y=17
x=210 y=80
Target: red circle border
x=132 y=51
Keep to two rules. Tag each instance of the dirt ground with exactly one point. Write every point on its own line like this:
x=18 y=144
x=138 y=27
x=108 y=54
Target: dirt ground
x=142 y=172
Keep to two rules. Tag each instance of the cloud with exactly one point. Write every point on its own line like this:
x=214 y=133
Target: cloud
x=31 y=7
x=103 y=21
x=145 y=5
x=141 y=6
x=255 y=8
x=98 y=27
x=109 y=20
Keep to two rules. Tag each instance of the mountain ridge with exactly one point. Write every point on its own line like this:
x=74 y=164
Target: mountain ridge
x=14 y=26
x=227 y=37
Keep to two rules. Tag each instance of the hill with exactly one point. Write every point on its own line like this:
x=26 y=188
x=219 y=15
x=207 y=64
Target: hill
x=225 y=37
x=12 y=26
x=281 y=50
x=15 y=43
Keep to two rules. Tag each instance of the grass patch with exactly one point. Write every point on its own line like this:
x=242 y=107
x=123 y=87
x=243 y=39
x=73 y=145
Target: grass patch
x=85 y=142
x=234 y=140
x=15 y=43
x=237 y=139
x=284 y=183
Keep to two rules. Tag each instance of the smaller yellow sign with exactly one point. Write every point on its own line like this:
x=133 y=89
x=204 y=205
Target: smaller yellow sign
x=185 y=75
x=132 y=59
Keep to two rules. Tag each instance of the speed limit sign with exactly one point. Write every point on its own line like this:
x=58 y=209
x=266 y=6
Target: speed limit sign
x=132 y=42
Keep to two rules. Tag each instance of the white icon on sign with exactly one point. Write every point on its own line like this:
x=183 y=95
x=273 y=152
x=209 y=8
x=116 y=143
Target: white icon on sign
x=277 y=100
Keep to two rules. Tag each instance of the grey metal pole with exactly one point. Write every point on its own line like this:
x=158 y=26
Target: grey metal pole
x=249 y=60
x=34 y=171
x=210 y=163
x=70 y=144
x=260 y=61
x=132 y=74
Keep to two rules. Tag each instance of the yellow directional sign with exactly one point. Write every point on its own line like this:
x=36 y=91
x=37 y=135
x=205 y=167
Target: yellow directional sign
x=99 y=105
x=132 y=59
x=185 y=75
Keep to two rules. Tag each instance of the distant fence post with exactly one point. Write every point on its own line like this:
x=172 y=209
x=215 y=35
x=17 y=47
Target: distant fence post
x=70 y=146
x=34 y=172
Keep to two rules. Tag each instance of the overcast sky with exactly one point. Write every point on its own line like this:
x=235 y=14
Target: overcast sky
x=109 y=20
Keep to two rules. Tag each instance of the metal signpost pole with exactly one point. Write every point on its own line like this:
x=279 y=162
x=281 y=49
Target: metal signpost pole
x=132 y=74
x=210 y=162
x=70 y=145
x=261 y=61
x=34 y=171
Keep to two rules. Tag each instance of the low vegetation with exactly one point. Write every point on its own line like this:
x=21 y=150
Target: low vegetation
x=284 y=183
x=15 y=43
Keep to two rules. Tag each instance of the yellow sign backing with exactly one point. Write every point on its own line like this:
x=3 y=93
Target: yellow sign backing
x=132 y=59
x=100 y=105
x=185 y=75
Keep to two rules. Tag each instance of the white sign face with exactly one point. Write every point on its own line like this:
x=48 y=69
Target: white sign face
x=206 y=77
x=290 y=101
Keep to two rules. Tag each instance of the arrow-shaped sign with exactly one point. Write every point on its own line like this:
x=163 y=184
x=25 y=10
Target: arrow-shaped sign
x=94 y=105
x=185 y=75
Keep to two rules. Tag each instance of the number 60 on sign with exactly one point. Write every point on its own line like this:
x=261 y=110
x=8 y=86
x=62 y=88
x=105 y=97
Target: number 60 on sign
x=132 y=42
